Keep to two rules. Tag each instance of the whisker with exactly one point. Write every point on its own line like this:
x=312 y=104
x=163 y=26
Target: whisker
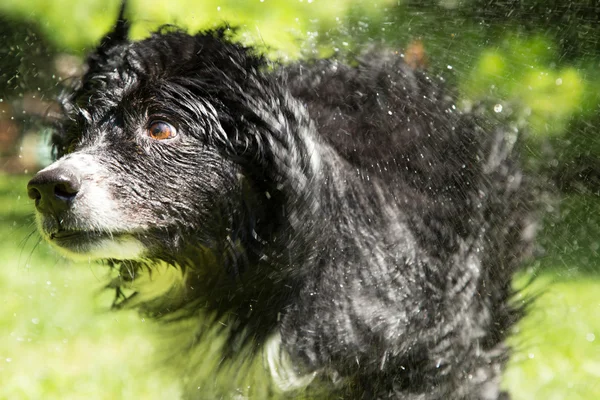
x=35 y=246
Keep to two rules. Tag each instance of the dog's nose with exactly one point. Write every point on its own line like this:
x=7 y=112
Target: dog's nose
x=53 y=190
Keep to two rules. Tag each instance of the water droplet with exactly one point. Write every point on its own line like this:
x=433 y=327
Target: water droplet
x=590 y=337
x=498 y=108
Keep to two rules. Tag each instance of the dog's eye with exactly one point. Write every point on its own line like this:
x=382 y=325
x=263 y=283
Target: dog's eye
x=161 y=130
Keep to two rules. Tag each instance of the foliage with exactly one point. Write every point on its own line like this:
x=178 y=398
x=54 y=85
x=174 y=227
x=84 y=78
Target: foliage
x=76 y=25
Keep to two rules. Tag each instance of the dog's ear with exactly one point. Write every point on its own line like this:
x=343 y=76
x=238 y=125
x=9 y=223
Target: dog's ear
x=120 y=30
x=117 y=36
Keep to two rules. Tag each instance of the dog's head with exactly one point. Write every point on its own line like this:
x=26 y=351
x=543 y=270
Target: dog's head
x=166 y=142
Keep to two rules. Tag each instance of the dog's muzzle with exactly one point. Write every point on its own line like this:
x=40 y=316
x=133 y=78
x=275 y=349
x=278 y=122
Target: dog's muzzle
x=77 y=213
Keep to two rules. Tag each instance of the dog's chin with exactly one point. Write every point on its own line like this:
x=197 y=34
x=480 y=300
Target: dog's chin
x=90 y=245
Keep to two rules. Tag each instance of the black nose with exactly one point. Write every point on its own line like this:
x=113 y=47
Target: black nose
x=53 y=190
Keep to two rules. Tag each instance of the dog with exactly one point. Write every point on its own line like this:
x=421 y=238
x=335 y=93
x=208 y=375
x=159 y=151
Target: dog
x=346 y=226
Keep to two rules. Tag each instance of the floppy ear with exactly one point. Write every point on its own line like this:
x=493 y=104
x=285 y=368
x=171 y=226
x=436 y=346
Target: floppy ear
x=117 y=36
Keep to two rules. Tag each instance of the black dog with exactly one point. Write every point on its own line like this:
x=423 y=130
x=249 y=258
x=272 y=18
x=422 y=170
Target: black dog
x=347 y=226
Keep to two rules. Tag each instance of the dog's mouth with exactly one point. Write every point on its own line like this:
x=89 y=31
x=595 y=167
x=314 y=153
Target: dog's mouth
x=70 y=238
x=95 y=244
x=66 y=235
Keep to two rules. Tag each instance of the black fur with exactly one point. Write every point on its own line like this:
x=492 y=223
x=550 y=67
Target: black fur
x=353 y=210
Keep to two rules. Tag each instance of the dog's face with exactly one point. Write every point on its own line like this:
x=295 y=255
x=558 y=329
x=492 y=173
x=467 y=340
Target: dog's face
x=140 y=150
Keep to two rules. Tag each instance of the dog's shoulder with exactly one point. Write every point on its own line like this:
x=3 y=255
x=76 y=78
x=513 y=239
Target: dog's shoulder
x=381 y=114
x=402 y=126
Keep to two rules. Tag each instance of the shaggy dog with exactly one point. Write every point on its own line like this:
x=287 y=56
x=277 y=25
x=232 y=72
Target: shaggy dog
x=346 y=226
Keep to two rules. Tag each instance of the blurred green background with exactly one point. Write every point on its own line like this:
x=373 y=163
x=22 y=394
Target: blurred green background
x=536 y=63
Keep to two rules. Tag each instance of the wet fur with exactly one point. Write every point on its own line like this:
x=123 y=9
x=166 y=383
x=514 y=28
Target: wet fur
x=353 y=212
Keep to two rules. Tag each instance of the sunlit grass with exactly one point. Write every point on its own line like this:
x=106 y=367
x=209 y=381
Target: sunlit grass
x=557 y=348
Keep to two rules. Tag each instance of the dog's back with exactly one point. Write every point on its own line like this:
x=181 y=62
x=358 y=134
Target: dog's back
x=435 y=216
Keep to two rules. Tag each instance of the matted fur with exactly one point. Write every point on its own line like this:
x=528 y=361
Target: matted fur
x=348 y=225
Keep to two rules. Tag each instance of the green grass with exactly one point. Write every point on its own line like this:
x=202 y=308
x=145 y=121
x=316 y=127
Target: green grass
x=557 y=346
x=58 y=340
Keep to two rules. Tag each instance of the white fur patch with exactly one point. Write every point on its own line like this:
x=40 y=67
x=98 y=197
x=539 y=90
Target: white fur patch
x=281 y=367
x=95 y=210
x=94 y=203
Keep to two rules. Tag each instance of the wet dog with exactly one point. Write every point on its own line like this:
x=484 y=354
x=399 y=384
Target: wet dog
x=346 y=226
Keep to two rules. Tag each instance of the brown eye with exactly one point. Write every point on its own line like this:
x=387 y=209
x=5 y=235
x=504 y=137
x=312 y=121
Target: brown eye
x=161 y=130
